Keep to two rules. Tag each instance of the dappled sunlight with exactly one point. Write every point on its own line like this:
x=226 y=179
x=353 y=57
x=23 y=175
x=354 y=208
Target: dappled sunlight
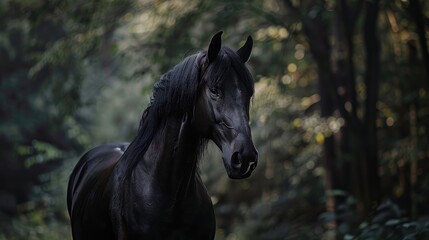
x=272 y=32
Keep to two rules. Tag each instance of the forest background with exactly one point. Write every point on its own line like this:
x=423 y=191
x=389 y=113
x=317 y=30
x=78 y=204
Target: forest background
x=340 y=114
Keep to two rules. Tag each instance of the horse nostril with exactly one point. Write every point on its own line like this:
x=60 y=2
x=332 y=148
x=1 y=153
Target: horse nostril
x=236 y=160
x=252 y=165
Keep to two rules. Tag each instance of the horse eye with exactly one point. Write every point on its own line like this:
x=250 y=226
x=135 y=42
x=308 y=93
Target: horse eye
x=215 y=92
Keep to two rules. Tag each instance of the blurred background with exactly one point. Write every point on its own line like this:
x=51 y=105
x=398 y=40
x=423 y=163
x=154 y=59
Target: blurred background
x=340 y=114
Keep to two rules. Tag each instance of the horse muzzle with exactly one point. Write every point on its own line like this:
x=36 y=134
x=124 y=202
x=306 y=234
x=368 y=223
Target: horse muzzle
x=241 y=164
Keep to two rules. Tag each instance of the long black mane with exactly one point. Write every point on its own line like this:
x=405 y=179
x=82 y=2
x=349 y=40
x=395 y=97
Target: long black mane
x=175 y=95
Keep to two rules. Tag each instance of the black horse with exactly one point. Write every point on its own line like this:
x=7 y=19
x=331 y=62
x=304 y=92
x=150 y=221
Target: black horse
x=151 y=189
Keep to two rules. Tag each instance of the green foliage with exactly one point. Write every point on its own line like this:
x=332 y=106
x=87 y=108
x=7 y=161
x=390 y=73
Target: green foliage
x=45 y=216
x=388 y=223
x=44 y=46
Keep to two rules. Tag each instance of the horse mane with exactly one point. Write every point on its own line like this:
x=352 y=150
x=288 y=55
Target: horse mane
x=175 y=95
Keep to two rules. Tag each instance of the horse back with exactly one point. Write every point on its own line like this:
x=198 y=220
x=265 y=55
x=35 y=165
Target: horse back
x=87 y=198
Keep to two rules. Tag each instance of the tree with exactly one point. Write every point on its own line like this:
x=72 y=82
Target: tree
x=43 y=48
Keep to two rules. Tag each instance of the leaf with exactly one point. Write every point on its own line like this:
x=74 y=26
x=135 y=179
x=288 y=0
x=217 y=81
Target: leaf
x=336 y=193
x=348 y=237
x=327 y=216
x=410 y=225
x=392 y=222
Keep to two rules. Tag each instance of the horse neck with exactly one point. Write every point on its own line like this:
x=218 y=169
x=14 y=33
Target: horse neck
x=171 y=159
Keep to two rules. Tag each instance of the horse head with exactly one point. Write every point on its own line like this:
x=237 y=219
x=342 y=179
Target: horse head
x=222 y=108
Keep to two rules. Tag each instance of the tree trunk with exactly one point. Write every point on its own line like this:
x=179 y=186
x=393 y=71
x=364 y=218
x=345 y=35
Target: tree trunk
x=415 y=11
x=372 y=49
x=321 y=50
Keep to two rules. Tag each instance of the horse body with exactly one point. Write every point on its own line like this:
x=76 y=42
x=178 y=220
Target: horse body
x=167 y=196
x=151 y=189
x=170 y=205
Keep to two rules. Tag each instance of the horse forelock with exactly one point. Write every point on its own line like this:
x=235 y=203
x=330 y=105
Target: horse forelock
x=227 y=63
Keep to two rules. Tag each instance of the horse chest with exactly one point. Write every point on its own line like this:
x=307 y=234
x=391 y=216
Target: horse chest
x=189 y=217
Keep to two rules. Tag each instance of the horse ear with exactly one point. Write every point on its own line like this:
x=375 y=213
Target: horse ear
x=246 y=49
x=214 y=46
